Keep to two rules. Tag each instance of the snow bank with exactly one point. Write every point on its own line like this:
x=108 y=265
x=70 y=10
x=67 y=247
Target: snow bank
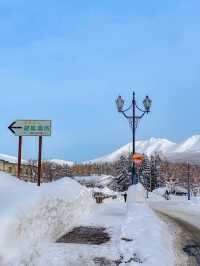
x=31 y=215
x=136 y=193
x=152 y=242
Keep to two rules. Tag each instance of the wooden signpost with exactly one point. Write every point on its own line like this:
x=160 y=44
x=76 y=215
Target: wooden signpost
x=38 y=128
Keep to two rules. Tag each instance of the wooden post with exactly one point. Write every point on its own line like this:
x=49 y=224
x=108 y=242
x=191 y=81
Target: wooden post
x=40 y=161
x=19 y=157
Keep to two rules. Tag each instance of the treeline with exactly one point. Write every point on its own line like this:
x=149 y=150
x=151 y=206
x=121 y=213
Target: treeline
x=53 y=171
x=179 y=172
x=153 y=172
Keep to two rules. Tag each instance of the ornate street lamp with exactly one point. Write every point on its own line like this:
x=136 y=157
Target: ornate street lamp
x=120 y=104
x=147 y=103
x=134 y=120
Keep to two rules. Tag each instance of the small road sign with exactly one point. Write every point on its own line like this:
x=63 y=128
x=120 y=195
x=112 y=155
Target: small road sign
x=31 y=128
x=41 y=128
x=137 y=158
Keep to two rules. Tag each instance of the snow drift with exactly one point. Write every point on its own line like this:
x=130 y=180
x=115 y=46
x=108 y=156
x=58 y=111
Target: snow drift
x=152 y=241
x=136 y=194
x=31 y=215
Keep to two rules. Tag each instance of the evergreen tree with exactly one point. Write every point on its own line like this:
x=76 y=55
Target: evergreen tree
x=155 y=170
x=122 y=181
x=145 y=172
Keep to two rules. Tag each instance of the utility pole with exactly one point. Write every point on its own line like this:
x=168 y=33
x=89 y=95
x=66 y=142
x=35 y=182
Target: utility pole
x=134 y=181
x=188 y=180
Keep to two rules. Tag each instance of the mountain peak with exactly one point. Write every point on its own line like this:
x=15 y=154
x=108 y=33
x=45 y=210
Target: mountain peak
x=190 y=144
x=158 y=145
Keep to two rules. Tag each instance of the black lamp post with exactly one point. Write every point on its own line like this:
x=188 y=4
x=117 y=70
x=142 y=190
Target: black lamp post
x=133 y=119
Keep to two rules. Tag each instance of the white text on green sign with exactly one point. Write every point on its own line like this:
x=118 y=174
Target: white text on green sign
x=32 y=128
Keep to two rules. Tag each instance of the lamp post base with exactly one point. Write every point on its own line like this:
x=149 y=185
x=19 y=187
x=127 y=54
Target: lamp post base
x=134 y=179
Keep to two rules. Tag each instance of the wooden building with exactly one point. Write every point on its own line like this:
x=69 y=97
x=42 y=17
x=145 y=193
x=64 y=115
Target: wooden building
x=10 y=167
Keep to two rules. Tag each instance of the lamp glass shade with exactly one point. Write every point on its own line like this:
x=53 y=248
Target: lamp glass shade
x=120 y=103
x=147 y=103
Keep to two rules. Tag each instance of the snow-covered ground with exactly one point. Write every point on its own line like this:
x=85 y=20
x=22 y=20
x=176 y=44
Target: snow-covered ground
x=32 y=219
x=150 y=245
x=153 y=241
x=177 y=207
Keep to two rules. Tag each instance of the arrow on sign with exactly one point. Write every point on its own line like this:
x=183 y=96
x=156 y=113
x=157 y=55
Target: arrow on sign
x=11 y=127
x=31 y=128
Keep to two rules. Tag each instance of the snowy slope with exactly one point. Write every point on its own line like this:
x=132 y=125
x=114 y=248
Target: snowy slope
x=155 y=145
x=148 y=147
x=189 y=145
x=186 y=150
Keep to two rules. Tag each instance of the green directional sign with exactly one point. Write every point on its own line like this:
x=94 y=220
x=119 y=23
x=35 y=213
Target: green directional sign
x=31 y=128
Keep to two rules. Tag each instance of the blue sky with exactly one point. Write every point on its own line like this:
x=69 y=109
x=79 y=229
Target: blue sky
x=68 y=60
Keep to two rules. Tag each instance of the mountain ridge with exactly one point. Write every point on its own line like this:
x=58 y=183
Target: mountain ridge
x=187 y=150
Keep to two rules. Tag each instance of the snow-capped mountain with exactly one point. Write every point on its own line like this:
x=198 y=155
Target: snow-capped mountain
x=191 y=144
x=188 y=150
x=154 y=145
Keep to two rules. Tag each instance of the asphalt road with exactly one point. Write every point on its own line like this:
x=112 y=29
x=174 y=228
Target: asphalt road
x=186 y=239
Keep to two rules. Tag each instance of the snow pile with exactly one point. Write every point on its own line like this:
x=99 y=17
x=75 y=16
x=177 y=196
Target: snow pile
x=160 y=191
x=137 y=236
x=32 y=216
x=152 y=242
x=136 y=193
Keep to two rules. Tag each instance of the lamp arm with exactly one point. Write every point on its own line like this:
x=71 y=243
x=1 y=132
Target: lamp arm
x=129 y=116
x=125 y=115
x=141 y=110
x=140 y=116
x=128 y=108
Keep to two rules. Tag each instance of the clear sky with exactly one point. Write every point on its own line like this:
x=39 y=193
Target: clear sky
x=68 y=60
